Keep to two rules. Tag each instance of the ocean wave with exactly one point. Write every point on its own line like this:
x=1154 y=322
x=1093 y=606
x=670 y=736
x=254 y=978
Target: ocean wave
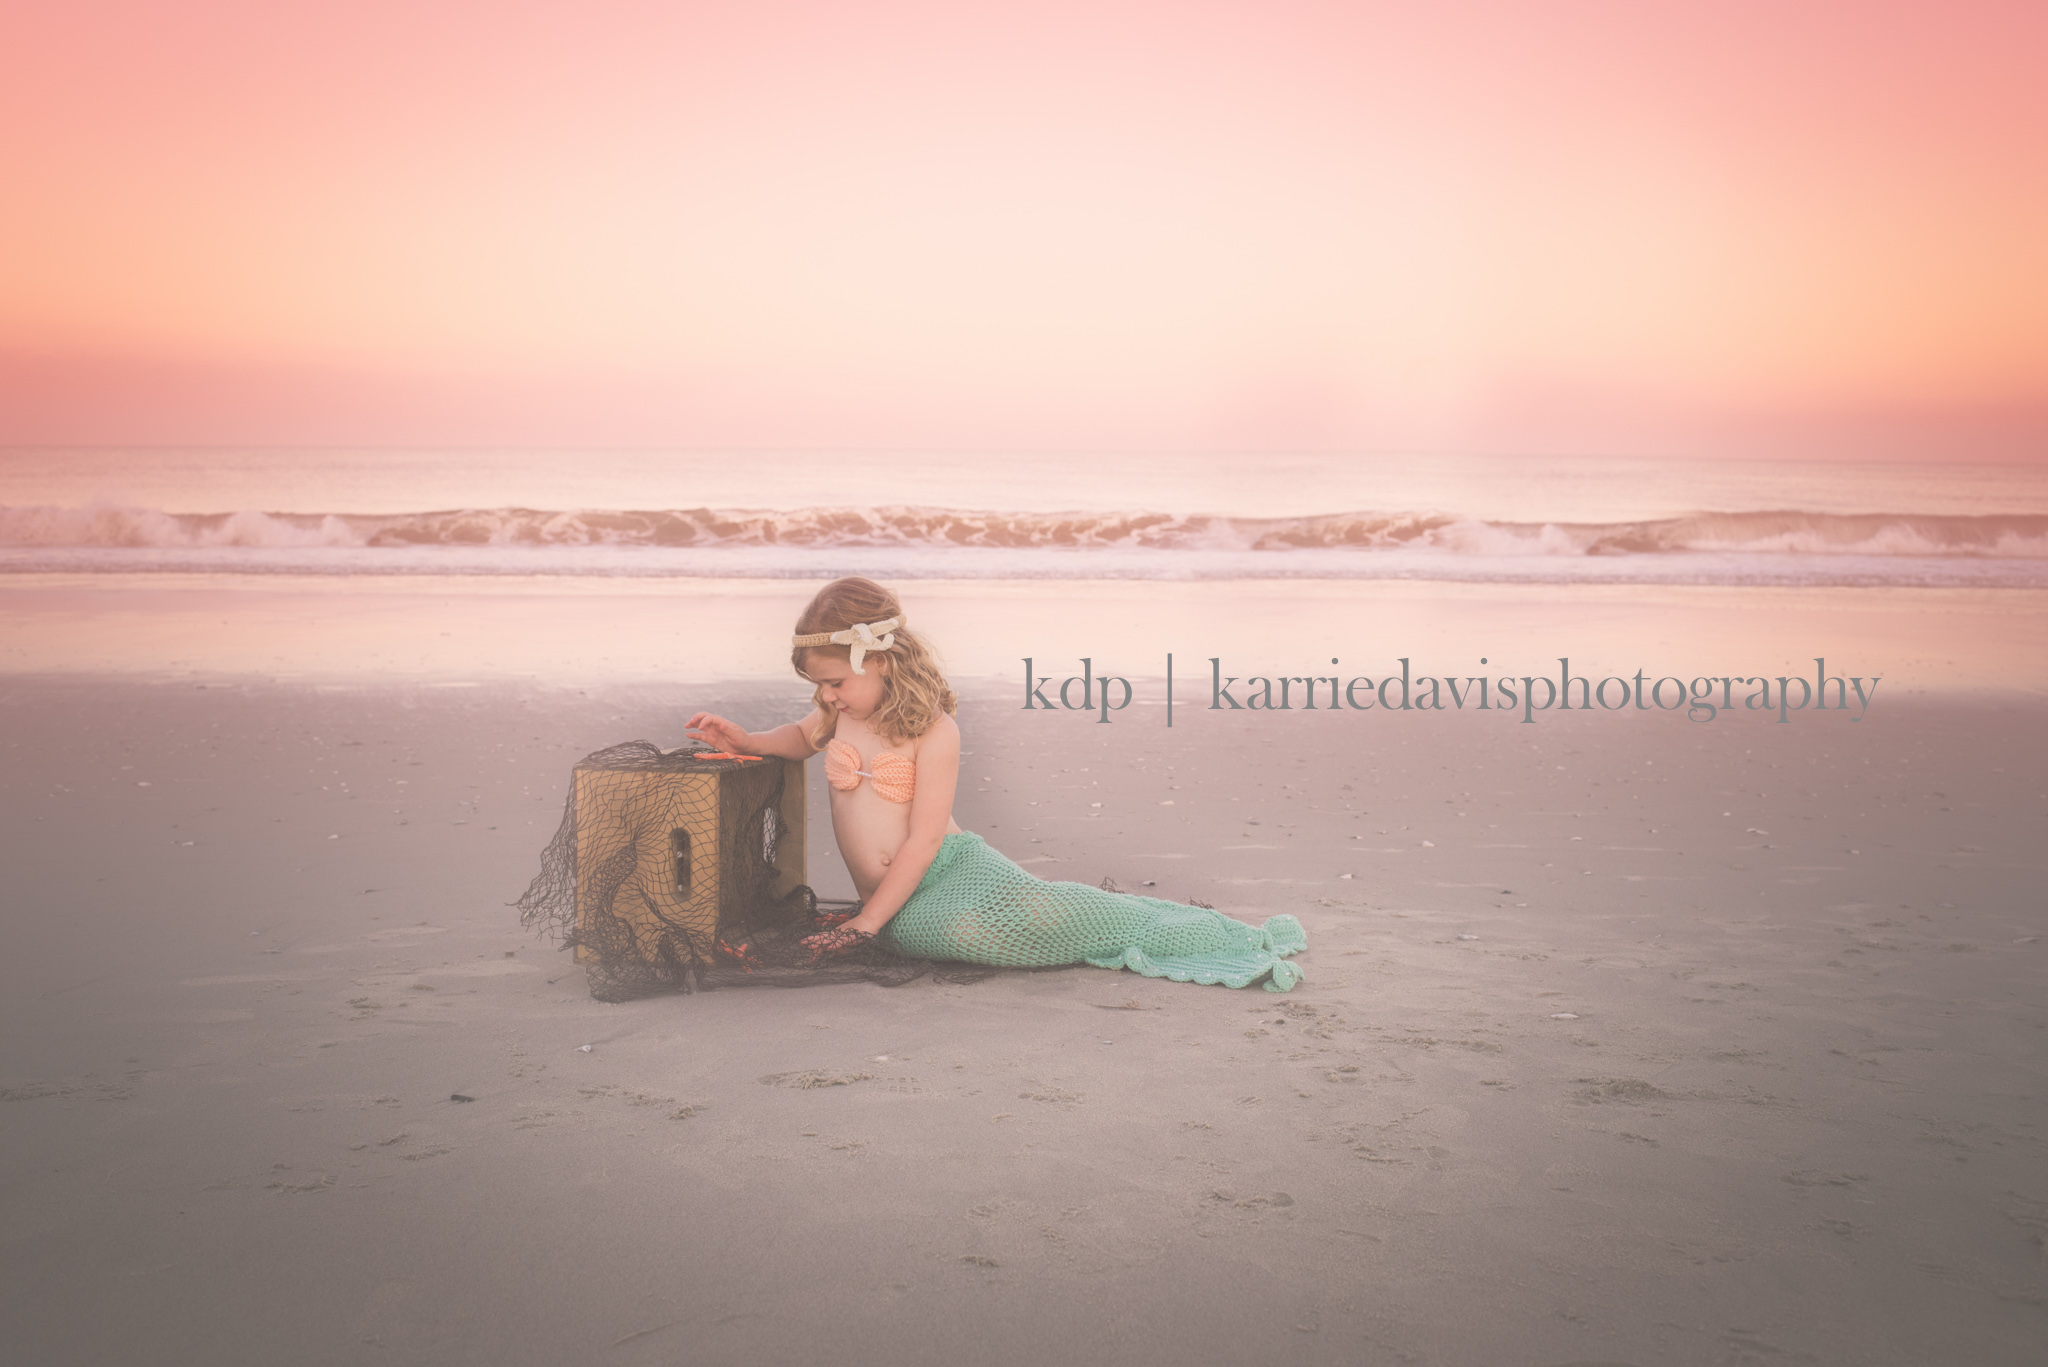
x=893 y=563
x=1774 y=533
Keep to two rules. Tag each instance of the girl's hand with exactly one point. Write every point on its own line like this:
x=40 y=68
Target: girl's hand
x=835 y=941
x=722 y=734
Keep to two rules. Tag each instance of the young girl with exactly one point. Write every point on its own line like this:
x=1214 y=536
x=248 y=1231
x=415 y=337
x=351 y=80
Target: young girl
x=883 y=717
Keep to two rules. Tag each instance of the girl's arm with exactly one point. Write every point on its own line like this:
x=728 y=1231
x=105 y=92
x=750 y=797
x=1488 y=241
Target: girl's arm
x=931 y=807
x=791 y=740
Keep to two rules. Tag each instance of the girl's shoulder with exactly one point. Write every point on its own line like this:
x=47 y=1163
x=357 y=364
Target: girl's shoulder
x=941 y=738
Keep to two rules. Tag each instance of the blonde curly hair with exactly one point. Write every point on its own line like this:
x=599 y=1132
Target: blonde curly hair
x=914 y=688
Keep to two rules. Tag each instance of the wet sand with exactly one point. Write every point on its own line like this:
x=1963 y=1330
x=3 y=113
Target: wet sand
x=570 y=632
x=1625 y=1041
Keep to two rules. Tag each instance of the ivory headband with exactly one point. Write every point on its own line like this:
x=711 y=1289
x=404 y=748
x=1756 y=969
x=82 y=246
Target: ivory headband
x=861 y=636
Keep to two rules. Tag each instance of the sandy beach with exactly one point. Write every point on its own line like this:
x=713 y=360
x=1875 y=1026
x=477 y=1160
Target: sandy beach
x=1553 y=499
x=1622 y=1040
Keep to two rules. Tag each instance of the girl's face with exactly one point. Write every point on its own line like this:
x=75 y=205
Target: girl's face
x=851 y=694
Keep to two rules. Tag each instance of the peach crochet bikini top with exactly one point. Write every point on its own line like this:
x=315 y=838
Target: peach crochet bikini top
x=895 y=778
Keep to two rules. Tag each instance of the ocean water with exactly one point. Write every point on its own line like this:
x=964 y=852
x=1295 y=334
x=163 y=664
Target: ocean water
x=1024 y=516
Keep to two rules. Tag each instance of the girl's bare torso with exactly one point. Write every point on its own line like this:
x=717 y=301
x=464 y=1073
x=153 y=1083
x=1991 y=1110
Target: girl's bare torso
x=869 y=827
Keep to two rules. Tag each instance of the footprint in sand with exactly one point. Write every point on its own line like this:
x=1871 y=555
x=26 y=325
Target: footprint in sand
x=1055 y=1096
x=1627 y=1091
x=808 y=1078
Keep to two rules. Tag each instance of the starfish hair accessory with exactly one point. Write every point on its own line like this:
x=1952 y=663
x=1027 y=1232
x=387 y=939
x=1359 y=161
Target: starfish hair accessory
x=861 y=636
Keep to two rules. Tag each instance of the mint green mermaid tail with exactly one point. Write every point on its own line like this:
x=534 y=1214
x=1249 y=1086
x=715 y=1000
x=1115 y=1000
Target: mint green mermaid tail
x=975 y=905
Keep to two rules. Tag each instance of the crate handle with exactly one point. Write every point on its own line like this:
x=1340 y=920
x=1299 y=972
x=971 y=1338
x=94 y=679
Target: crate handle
x=679 y=858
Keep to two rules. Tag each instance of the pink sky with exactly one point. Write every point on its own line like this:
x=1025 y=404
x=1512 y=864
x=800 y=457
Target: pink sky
x=1744 y=227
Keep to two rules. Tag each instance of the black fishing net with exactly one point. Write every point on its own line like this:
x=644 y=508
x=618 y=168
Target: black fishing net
x=668 y=874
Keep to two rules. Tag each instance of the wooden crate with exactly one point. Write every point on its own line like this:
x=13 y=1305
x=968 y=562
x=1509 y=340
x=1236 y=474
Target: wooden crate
x=680 y=848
